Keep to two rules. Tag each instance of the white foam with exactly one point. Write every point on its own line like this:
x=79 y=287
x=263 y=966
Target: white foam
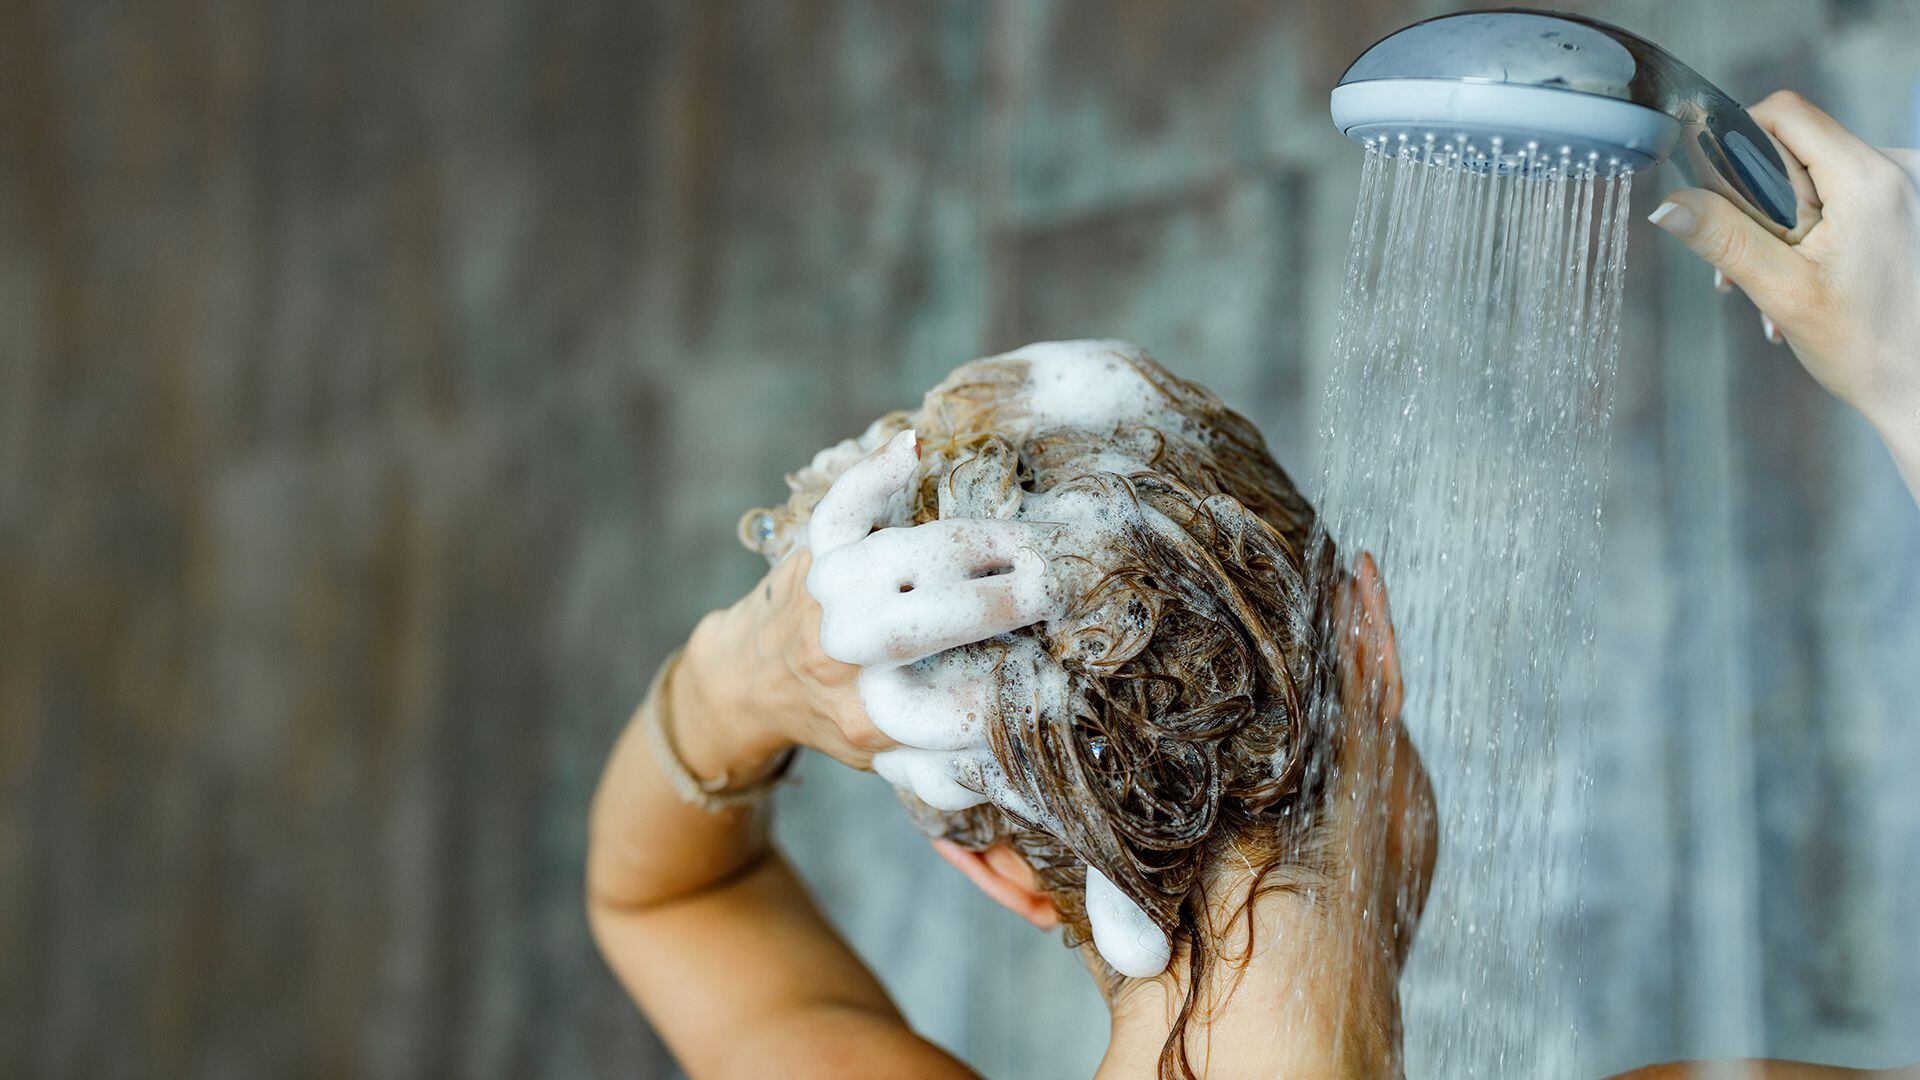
x=954 y=780
x=1127 y=939
x=865 y=495
x=835 y=459
x=934 y=776
x=901 y=594
x=1088 y=384
x=943 y=702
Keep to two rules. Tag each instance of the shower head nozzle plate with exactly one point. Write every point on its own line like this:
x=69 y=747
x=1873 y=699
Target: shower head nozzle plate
x=1504 y=121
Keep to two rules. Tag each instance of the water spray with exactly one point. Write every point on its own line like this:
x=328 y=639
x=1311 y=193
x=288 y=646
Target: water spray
x=1466 y=431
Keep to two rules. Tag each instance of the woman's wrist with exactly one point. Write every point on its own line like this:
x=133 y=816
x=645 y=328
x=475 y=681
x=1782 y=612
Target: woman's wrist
x=715 y=723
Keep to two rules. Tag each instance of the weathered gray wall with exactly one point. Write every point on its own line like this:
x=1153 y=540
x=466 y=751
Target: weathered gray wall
x=381 y=381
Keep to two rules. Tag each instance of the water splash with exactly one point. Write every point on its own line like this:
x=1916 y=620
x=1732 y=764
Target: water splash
x=1466 y=428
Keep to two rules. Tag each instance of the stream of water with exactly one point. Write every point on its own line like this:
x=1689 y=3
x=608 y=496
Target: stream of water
x=1466 y=428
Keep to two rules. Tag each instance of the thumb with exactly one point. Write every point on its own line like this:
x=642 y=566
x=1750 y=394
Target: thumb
x=1764 y=266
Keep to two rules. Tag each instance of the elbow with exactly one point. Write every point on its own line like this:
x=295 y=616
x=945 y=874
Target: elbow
x=603 y=908
x=615 y=888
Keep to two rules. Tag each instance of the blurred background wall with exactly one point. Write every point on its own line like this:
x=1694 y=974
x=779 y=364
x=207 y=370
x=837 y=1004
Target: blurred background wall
x=382 y=380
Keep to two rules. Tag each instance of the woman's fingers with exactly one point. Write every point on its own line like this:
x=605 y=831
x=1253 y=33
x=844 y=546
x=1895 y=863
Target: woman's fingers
x=1832 y=154
x=946 y=701
x=935 y=776
x=902 y=594
x=857 y=501
x=953 y=780
x=1768 y=270
x=1775 y=276
x=1847 y=169
x=940 y=703
x=939 y=708
x=901 y=627
x=922 y=556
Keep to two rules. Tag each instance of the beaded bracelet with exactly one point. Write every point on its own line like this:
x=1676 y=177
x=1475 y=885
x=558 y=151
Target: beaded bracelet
x=713 y=796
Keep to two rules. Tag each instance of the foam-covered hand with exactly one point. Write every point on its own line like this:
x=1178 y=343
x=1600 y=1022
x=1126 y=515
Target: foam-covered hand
x=905 y=602
x=916 y=607
x=762 y=683
x=893 y=596
x=938 y=709
x=761 y=665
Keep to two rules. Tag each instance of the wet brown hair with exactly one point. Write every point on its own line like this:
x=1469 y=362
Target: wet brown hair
x=1200 y=663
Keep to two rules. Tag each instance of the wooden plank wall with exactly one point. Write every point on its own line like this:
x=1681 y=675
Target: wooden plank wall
x=381 y=382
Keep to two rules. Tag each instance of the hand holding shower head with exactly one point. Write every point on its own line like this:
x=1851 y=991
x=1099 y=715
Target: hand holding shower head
x=1565 y=85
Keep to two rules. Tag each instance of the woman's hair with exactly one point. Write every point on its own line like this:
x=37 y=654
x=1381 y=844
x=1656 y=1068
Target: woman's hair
x=1199 y=658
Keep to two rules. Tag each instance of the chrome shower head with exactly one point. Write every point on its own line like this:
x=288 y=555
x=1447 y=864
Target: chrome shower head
x=1509 y=82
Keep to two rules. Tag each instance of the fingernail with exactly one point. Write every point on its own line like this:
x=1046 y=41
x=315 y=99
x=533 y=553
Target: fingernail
x=1673 y=217
x=1720 y=282
x=1772 y=331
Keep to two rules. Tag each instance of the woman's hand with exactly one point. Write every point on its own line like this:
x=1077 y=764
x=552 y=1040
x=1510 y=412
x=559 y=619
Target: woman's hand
x=756 y=672
x=756 y=675
x=1847 y=297
x=837 y=629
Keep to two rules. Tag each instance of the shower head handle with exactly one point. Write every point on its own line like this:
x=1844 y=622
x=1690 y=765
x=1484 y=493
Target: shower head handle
x=1724 y=150
x=1478 y=70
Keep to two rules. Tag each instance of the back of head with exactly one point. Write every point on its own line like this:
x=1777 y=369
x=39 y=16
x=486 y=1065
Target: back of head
x=1182 y=723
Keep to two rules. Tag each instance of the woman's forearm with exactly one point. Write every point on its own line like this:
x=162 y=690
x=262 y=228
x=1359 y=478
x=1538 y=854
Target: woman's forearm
x=646 y=845
x=751 y=685
x=708 y=930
